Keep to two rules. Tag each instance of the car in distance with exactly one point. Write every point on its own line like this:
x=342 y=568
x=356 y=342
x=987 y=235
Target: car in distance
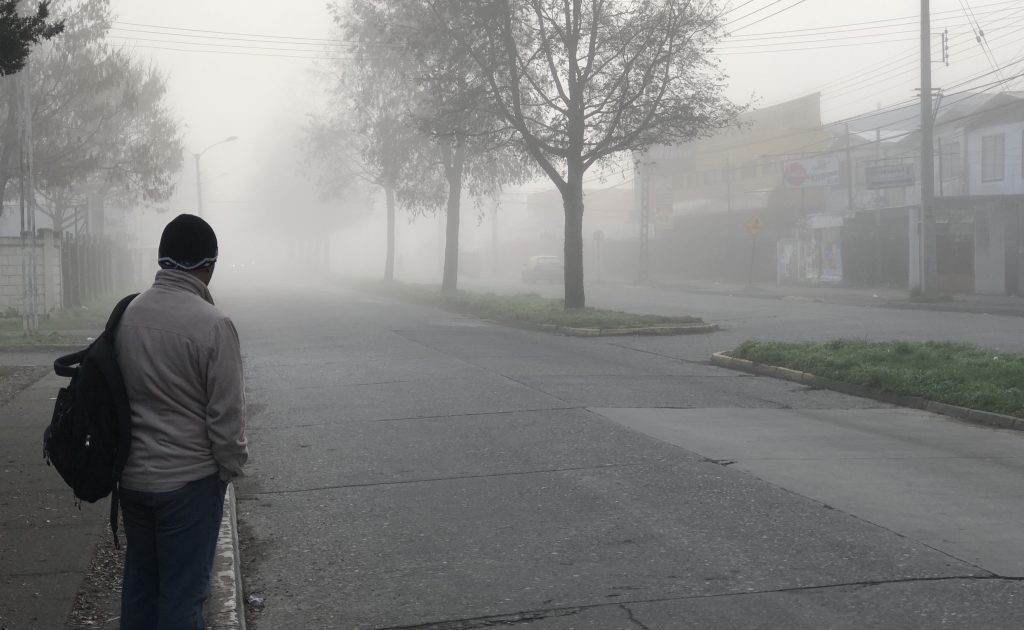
x=543 y=269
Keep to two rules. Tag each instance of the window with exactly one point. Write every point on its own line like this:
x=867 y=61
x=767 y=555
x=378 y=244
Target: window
x=950 y=156
x=993 y=156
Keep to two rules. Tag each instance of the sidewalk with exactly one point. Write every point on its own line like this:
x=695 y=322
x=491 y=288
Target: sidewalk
x=46 y=542
x=884 y=298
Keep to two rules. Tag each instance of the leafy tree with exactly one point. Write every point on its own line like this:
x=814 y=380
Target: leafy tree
x=583 y=80
x=100 y=127
x=476 y=148
x=368 y=136
x=18 y=33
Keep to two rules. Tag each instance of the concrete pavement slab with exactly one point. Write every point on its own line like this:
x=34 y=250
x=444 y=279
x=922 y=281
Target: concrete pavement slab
x=36 y=601
x=461 y=548
x=948 y=484
x=423 y=398
x=930 y=605
x=431 y=500
x=360 y=371
x=364 y=453
x=46 y=541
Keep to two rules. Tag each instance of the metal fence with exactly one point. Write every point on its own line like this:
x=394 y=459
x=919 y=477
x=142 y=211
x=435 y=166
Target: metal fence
x=92 y=267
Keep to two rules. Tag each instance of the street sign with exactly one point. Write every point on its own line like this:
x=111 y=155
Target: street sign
x=890 y=176
x=811 y=172
x=753 y=225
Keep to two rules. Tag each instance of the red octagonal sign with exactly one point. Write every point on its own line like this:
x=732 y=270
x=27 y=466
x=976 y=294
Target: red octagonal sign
x=795 y=174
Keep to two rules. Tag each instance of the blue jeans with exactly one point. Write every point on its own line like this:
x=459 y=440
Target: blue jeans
x=172 y=538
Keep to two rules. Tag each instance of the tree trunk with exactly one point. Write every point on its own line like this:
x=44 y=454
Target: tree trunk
x=572 y=200
x=8 y=138
x=389 y=260
x=453 y=173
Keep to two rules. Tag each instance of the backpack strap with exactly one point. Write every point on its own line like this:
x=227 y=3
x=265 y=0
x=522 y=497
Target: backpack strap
x=115 y=315
x=114 y=501
x=67 y=365
x=124 y=430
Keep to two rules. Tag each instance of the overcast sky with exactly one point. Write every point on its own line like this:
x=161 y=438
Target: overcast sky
x=859 y=54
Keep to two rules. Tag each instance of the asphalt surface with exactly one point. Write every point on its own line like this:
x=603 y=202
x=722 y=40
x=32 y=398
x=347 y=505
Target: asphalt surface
x=412 y=468
x=416 y=469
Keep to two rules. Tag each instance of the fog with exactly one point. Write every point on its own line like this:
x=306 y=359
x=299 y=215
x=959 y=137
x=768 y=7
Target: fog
x=255 y=70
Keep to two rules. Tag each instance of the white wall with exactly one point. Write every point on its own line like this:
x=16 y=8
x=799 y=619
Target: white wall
x=1013 y=181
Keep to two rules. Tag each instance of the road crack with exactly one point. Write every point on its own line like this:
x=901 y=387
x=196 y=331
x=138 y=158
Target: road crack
x=495 y=621
x=252 y=495
x=633 y=619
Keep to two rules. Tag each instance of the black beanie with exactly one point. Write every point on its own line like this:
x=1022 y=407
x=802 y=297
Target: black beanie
x=187 y=243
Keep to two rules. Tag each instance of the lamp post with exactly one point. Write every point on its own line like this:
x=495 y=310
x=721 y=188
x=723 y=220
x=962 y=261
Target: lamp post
x=199 y=179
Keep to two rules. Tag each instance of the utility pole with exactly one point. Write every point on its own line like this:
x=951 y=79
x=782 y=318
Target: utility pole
x=199 y=177
x=929 y=264
x=728 y=185
x=849 y=173
x=29 y=312
x=199 y=187
x=495 y=265
x=645 y=221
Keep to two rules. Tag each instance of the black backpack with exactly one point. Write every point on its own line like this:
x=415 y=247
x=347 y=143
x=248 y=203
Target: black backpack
x=88 y=438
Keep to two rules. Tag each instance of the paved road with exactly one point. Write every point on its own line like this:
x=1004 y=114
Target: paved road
x=417 y=469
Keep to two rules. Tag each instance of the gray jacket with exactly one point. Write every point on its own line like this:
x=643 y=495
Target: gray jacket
x=182 y=368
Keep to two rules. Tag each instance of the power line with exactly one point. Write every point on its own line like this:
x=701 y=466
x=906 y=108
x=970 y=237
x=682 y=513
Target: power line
x=768 y=17
x=235 y=52
x=979 y=34
x=797 y=45
x=905 y=21
x=755 y=11
x=197 y=30
x=736 y=8
x=906 y=68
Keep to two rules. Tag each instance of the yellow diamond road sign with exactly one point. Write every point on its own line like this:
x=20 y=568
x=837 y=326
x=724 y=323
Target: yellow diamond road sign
x=754 y=224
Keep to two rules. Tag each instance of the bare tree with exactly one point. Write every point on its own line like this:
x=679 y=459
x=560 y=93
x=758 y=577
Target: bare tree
x=583 y=80
x=368 y=136
x=477 y=149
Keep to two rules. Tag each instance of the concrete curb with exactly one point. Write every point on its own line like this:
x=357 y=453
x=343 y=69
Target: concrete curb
x=987 y=418
x=225 y=609
x=688 y=329
x=578 y=331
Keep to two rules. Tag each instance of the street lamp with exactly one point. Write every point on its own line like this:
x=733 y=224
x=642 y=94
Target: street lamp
x=199 y=179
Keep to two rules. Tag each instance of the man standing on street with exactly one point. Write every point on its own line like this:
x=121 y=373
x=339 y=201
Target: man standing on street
x=182 y=368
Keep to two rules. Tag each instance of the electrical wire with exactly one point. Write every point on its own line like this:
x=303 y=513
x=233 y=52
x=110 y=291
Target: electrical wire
x=904 y=21
x=768 y=17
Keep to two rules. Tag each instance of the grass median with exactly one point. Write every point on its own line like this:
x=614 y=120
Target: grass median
x=952 y=373
x=530 y=309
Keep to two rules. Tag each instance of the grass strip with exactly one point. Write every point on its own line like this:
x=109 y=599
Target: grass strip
x=953 y=373
x=69 y=326
x=528 y=308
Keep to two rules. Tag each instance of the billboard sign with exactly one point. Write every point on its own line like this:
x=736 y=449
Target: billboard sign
x=811 y=172
x=890 y=176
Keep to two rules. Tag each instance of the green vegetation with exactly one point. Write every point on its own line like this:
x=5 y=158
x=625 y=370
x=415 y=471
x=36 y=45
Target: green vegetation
x=952 y=373
x=68 y=327
x=530 y=309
